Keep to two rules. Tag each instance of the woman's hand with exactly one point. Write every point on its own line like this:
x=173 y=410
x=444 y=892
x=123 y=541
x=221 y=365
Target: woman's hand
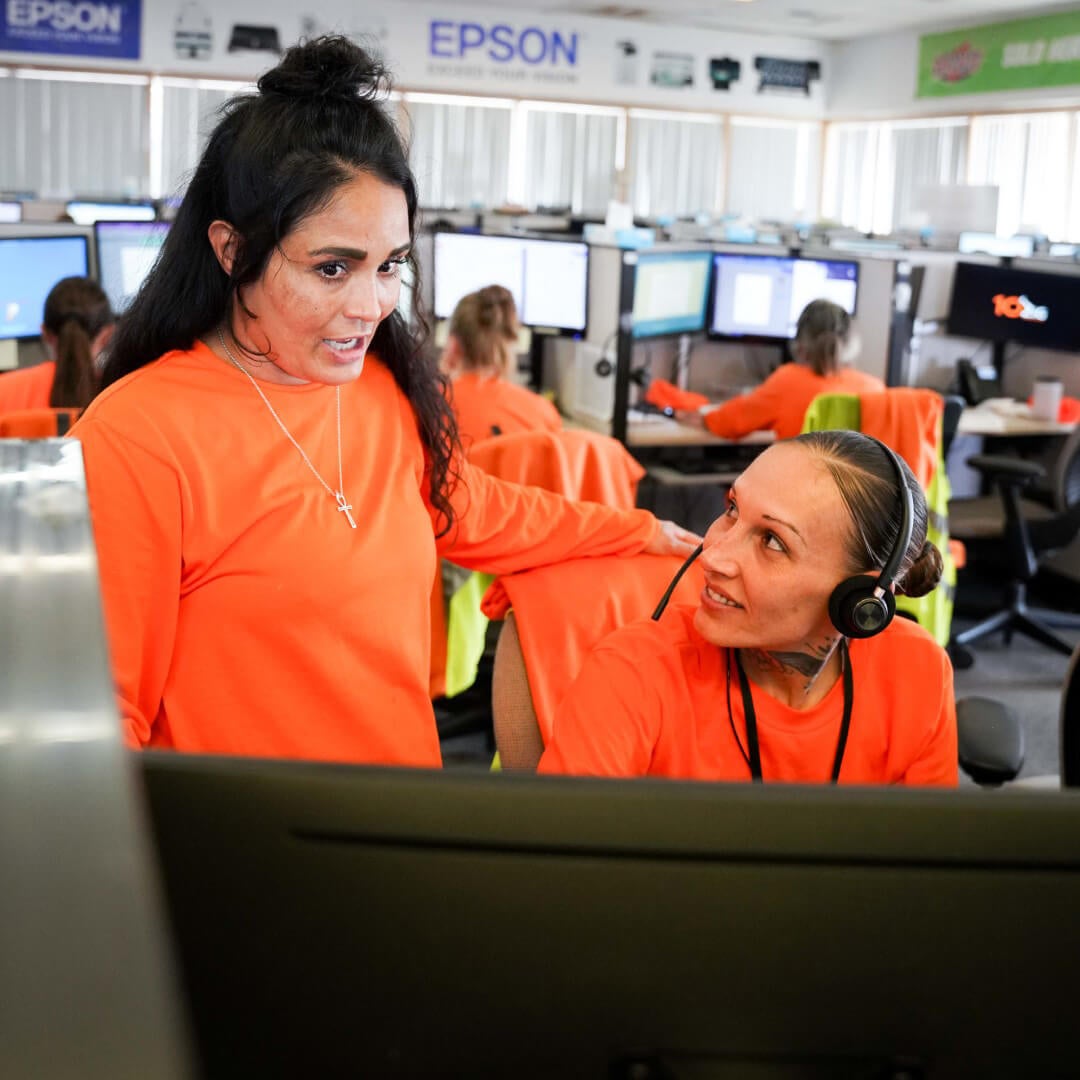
x=672 y=539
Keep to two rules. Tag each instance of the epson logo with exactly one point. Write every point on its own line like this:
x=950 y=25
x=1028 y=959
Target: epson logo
x=500 y=43
x=1019 y=307
x=62 y=15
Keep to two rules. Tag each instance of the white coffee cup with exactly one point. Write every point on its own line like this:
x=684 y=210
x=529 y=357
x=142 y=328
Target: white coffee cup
x=1046 y=397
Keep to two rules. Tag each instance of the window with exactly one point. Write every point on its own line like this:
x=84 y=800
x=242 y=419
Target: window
x=183 y=113
x=572 y=154
x=677 y=163
x=1028 y=157
x=72 y=133
x=774 y=169
x=459 y=149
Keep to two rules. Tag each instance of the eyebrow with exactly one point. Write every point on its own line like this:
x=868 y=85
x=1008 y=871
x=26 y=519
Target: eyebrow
x=786 y=524
x=357 y=254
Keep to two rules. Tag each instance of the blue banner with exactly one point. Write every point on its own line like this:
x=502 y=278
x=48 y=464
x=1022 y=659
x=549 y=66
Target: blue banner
x=109 y=28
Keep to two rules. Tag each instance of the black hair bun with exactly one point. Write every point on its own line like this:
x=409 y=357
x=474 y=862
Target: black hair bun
x=331 y=66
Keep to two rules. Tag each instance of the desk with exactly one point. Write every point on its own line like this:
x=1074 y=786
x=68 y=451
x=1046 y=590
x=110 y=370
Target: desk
x=1003 y=416
x=663 y=431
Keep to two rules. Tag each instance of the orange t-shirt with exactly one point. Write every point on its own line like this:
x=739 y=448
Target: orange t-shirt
x=486 y=406
x=27 y=388
x=651 y=700
x=244 y=615
x=780 y=402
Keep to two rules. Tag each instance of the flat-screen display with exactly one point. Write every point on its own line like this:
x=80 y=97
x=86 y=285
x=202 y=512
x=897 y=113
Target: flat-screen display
x=548 y=278
x=29 y=267
x=1000 y=303
x=86 y=213
x=671 y=293
x=125 y=252
x=973 y=243
x=762 y=296
x=10 y=212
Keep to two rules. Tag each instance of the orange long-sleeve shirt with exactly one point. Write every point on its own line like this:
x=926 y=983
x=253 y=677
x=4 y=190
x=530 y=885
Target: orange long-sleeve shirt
x=27 y=388
x=780 y=402
x=651 y=700
x=486 y=406
x=244 y=615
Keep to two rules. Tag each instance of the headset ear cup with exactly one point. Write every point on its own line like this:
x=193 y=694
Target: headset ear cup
x=856 y=612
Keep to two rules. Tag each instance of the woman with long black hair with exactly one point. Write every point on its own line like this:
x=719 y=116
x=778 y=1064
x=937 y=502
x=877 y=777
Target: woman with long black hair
x=273 y=465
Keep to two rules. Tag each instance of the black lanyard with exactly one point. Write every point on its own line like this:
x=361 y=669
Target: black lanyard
x=752 y=754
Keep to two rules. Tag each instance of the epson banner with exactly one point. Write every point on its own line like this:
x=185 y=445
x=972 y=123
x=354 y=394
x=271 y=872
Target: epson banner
x=501 y=43
x=72 y=27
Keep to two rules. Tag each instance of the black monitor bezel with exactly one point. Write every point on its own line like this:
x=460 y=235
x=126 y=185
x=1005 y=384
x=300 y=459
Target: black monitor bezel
x=767 y=339
x=47 y=237
x=544 y=329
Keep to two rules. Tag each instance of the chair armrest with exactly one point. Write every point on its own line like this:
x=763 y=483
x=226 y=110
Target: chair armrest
x=990 y=740
x=1007 y=468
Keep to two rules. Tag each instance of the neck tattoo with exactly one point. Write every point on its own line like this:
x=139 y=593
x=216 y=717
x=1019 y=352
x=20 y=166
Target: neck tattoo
x=338 y=496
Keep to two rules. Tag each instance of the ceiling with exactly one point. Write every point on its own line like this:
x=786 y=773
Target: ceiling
x=831 y=20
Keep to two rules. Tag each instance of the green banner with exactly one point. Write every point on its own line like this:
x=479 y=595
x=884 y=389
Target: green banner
x=1024 y=54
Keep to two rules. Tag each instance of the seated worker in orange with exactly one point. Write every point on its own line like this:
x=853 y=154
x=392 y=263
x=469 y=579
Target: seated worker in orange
x=825 y=345
x=272 y=466
x=785 y=669
x=76 y=327
x=479 y=356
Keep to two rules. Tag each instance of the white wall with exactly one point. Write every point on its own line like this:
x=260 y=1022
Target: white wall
x=423 y=43
x=876 y=77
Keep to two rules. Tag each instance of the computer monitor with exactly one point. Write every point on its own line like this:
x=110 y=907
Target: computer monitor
x=976 y=243
x=83 y=212
x=1004 y=303
x=760 y=297
x=125 y=252
x=671 y=293
x=548 y=278
x=340 y=921
x=10 y=212
x=29 y=267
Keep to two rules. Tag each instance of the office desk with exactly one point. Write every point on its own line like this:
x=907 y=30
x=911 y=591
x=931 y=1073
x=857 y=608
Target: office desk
x=1003 y=416
x=660 y=431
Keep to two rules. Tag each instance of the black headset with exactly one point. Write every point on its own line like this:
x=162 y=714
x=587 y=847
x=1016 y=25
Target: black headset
x=860 y=606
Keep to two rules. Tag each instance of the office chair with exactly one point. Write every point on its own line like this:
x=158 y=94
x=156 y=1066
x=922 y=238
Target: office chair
x=1027 y=531
x=559 y=613
x=37 y=423
x=1070 y=723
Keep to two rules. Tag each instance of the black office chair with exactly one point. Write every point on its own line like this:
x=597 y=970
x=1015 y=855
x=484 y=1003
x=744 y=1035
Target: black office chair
x=991 y=738
x=950 y=421
x=1027 y=531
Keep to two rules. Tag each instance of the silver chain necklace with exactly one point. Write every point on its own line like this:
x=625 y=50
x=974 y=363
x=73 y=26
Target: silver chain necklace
x=338 y=496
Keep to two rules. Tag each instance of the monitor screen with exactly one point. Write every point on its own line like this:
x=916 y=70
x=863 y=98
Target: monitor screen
x=10 y=213
x=548 y=278
x=1002 y=303
x=762 y=296
x=29 y=267
x=337 y=921
x=125 y=252
x=671 y=293
x=86 y=213
x=973 y=243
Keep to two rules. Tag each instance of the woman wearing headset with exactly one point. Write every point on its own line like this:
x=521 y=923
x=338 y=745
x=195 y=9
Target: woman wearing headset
x=791 y=667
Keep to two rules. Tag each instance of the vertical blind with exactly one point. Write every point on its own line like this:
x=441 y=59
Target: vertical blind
x=459 y=152
x=676 y=162
x=774 y=169
x=571 y=157
x=65 y=135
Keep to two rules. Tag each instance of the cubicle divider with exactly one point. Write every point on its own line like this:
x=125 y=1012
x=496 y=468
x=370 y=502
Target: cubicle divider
x=87 y=986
